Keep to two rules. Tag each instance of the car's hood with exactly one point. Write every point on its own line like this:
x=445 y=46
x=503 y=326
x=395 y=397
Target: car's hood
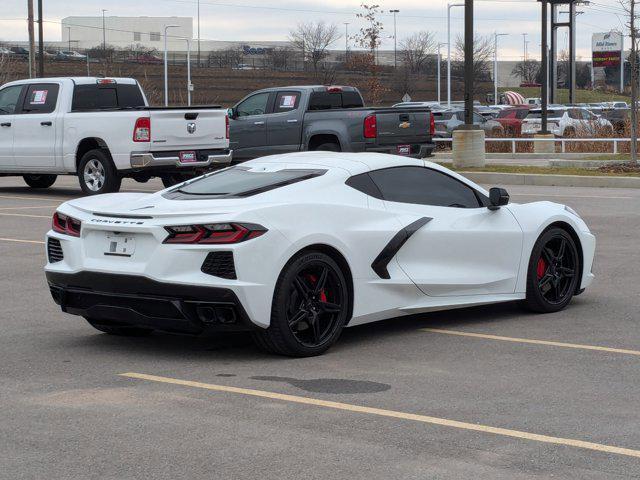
x=135 y=205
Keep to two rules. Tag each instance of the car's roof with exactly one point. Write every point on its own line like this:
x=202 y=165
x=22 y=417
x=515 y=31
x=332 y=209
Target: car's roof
x=76 y=80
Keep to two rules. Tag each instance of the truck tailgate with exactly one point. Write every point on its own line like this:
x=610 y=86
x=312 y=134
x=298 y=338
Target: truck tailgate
x=188 y=128
x=402 y=126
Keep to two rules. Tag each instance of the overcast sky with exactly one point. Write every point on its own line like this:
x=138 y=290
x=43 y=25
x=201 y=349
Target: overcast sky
x=255 y=20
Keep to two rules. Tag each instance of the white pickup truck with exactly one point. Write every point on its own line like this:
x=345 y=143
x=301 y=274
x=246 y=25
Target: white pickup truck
x=102 y=130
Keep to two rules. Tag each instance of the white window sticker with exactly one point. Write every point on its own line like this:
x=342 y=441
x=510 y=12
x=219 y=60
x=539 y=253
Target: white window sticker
x=288 y=101
x=39 y=97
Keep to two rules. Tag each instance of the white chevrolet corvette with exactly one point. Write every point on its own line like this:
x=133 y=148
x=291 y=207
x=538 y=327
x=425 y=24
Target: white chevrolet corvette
x=295 y=247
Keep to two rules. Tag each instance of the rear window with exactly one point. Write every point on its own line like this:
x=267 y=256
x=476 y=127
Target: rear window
x=505 y=114
x=98 y=97
x=241 y=181
x=330 y=100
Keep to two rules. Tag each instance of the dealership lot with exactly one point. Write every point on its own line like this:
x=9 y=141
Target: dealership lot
x=490 y=392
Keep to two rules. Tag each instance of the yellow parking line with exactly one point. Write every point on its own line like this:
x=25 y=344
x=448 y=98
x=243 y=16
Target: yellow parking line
x=30 y=207
x=18 y=240
x=533 y=341
x=24 y=215
x=391 y=414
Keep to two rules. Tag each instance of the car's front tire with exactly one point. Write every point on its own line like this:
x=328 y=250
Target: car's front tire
x=97 y=174
x=119 y=330
x=311 y=305
x=553 y=273
x=40 y=181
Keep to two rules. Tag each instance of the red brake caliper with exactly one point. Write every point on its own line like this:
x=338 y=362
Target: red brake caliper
x=541 y=268
x=313 y=279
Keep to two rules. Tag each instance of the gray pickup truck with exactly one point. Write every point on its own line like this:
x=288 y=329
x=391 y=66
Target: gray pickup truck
x=290 y=119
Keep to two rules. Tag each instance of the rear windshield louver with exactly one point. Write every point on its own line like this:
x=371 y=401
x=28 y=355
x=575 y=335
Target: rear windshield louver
x=54 y=250
x=220 y=264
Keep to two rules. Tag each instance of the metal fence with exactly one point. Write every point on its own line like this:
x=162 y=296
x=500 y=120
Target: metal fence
x=562 y=141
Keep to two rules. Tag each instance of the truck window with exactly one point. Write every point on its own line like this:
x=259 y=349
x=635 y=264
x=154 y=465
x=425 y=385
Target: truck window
x=98 y=97
x=254 y=105
x=9 y=99
x=40 y=98
x=286 y=102
x=330 y=100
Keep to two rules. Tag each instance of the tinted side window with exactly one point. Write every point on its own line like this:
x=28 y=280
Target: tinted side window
x=40 y=98
x=351 y=100
x=254 y=105
x=286 y=102
x=90 y=97
x=325 y=101
x=129 y=96
x=9 y=99
x=423 y=186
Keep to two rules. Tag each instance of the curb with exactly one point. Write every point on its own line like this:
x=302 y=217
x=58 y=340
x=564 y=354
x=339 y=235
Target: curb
x=532 y=156
x=491 y=178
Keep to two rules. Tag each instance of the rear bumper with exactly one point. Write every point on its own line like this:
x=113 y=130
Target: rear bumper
x=206 y=158
x=418 y=150
x=139 y=301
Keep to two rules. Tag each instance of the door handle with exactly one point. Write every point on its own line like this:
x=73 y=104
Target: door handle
x=6 y=124
x=46 y=124
x=258 y=123
x=292 y=121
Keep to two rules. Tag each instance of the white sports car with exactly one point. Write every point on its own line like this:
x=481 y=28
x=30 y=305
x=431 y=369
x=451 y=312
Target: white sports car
x=295 y=247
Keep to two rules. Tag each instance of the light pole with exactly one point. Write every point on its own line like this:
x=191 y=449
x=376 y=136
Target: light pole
x=449 y=7
x=346 y=42
x=198 y=33
x=495 y=65
x=189 y=86
x=438 y=67
x=104 y=34
x=166 y=69
x=395 y=39
x=69 y=37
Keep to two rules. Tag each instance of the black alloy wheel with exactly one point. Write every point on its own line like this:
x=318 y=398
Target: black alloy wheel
x=553 y=273
x=310 y=307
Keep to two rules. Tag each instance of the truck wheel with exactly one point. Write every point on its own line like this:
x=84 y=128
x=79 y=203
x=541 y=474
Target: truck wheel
x=328 y=147
x=171 y=179
x=97 y=174
x=40 y=181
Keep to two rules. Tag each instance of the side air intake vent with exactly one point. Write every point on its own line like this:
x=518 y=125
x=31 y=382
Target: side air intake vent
x=54 y=250
x=220 y=264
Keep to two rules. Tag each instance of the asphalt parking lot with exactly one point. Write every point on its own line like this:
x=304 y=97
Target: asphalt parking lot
x=489 y=392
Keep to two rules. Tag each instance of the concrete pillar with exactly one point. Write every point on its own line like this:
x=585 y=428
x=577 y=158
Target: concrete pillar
x=468 y=148
x=544 y=147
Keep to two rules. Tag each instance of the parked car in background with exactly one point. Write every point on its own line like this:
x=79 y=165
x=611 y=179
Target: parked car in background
x=5 y=52
x=290 y=119
x=244 y=66
x=533 y=101
x=102 y=130
x=488 y=112
x=434 y=106
x=70 y=55
x=19 y=52
x=148 y=59
x=619 y=117
x=511 y=119
x=566 y=122
x=447 y=121
x=616 y=104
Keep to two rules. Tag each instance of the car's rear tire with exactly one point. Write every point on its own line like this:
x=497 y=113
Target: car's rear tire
x=311 y=305
x=40 y=181
x=119 y=330
x=97 y=174
x=328 y=147
x=553 y=272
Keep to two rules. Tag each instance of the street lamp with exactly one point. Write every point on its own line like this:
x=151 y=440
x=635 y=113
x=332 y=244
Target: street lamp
x=166 y=69
x=189 y=86
x=104 y=34
x=69 y=37
x=346 y=42
x=439 y=62
x=449 y=7
x=495 y=65
x=395 y=39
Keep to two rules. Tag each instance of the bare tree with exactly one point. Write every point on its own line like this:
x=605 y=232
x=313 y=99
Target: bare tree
x=630 y=6
x=527 y=70
x=313 y=40
x=369 y=37
x=416 y=50
x=482 y=54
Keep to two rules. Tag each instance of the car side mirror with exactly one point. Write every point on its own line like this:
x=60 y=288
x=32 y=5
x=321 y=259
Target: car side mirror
x=232 y=112
x=498 y=197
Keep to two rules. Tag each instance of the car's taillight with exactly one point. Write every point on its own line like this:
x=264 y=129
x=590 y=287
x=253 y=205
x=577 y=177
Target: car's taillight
x=214 y=233
x=370 y=127
x=66 y=225
x=142 y=130
x=432 y=125
x=226 y=120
